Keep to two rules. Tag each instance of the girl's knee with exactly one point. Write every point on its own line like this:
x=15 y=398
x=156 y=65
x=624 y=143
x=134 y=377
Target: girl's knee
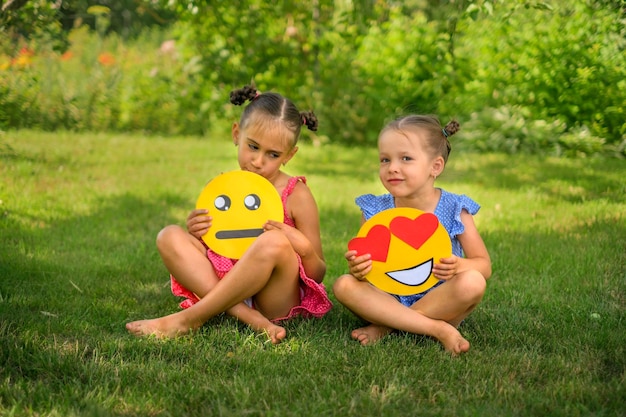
x=168 y=236
x=272 y=244
x=471 y=284
x=343 y=285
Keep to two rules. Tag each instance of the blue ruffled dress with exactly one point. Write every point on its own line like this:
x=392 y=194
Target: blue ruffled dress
x=448 y=211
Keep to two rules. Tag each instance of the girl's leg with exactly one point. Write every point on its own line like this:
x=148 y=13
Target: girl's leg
x=455 y=299
x=185 y=257
x=386 y=313
x=268 y=271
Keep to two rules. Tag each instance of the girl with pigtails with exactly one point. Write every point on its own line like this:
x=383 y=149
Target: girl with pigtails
x=280 y=275
x=413 y=151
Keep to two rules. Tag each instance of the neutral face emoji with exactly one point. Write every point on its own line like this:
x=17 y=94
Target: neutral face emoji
x=404 y=244
x=240 y=203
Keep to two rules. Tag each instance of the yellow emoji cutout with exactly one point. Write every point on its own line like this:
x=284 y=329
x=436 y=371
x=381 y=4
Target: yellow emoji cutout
x=240 y=203
x=404 y=244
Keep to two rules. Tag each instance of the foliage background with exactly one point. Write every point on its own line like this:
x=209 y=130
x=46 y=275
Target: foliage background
x=523 y=75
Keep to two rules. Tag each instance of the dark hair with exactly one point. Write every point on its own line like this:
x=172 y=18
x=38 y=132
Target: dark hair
x=275 y=106
x=437 y=138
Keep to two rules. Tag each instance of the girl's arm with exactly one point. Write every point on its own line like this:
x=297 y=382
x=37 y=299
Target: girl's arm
x=476 y=254
x=306 y=238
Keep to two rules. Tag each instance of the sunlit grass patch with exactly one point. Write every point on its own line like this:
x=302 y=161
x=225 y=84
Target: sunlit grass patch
x=78 y=260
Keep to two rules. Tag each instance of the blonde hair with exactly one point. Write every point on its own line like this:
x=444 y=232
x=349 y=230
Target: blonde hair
x=437 y=137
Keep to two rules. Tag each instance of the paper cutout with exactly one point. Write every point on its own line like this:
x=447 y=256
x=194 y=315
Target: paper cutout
x=414 y=232
x=376 y=243
x=404 y=244
x=240 y=203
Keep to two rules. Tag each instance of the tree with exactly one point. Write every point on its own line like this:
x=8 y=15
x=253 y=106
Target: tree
x=30 y=19
x=11 y=5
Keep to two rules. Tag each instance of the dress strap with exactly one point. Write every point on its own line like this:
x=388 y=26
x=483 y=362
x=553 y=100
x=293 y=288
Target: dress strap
x=291 y=184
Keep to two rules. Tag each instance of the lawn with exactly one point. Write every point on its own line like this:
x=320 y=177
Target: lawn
x=78 y=217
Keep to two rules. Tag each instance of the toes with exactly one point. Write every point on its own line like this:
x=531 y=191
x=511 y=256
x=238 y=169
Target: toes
x=134 y=327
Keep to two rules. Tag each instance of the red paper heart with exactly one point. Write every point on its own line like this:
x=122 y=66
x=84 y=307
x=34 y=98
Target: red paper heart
x=376 y=243
x=414 y=232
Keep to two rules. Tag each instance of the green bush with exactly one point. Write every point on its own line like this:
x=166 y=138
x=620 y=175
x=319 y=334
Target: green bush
x=100 y=84
x=567 y=64
x=160 y=89
x=74 y=90
x=18 y=100
x=239 y=42
x=408 y=70
x=536 y=79
x=509 y=129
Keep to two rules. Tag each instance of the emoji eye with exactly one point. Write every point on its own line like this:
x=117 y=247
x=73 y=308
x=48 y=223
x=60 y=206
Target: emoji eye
x=222 y=202
x=252 y=202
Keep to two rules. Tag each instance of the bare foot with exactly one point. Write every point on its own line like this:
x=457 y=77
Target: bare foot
x=275 y=333
x=262 y=324
x=162 y=327
x=452 y=340
x=370 y=334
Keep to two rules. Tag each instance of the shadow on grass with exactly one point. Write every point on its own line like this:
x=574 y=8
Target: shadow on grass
x=88 y=275
x=39 y=159
x=539 y=307
x=79 y=274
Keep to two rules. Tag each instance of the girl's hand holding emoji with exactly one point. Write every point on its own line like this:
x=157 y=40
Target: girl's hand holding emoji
x=198 y=223
x=297 y=239
x=447 y=268
x=359 y=266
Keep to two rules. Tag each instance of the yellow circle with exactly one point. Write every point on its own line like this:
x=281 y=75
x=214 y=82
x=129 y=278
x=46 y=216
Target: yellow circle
x=240 y=203
x=404 y=243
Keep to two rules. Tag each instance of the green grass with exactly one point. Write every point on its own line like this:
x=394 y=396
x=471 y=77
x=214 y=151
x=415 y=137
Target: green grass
x=78 y=217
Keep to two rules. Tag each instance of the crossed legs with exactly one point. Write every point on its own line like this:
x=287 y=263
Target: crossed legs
x=437 y=314
x=268 y=272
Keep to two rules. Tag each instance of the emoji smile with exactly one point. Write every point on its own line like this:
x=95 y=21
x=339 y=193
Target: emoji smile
x=413 y=276
x=237 y=234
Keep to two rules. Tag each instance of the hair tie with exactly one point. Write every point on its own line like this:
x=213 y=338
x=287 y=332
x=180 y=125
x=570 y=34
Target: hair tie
x=256 y=94
x=303 y=119
x=445 y=132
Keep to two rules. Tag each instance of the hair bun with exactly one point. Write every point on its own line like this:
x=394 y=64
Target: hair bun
x=310 y=120
x=240 y=96
x=452 y=127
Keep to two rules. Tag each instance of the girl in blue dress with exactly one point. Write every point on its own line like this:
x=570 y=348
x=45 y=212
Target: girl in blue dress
x=413 y=151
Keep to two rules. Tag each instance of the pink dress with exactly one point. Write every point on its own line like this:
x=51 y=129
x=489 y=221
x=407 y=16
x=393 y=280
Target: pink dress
x=314 y=301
